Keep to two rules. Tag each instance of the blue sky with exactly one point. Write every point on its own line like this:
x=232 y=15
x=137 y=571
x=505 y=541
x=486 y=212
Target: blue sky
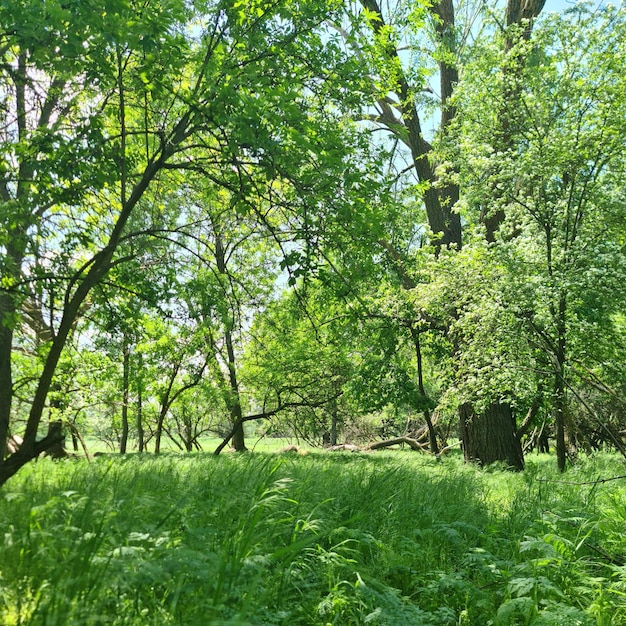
x=560 y=5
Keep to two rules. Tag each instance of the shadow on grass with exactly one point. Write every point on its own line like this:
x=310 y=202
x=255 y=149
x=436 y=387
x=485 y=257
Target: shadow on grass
x=264 y=538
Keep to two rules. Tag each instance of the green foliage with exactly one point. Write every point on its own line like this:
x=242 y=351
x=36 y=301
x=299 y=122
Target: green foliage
x=342 y=539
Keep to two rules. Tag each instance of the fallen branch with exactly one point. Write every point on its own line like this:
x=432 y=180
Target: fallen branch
x=599 y=481
x=413 y=443
x=268 y=414
x=379 y=445
x=452 y=445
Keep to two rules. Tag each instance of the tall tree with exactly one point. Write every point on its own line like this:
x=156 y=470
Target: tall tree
x=97 y=114
x=394 y=51
x=555 y=188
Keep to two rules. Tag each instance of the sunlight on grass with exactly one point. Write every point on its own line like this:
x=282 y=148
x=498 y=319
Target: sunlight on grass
x=389 y=538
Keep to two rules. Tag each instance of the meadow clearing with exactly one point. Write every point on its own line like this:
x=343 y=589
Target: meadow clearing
x=392 y=537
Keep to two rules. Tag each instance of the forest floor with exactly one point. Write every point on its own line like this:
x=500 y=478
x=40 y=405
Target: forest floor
x=327 y=538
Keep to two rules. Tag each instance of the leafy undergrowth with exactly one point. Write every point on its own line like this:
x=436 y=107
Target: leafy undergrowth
x=391 y=538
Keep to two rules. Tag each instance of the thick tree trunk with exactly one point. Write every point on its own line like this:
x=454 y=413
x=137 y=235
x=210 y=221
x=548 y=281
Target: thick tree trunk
x=238 y=440
x=490 y=436
x=55 y=426
x=55 y=432
x=518 y=13
x=438 y=200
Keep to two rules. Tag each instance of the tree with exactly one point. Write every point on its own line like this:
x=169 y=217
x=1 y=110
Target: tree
x=231 y=281
x=98 y=115
x=297 y=367
x=554 y=186
x=402 y=102
x=399 y=89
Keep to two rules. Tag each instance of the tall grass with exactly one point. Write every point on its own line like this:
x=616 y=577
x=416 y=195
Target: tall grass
x=391 y=538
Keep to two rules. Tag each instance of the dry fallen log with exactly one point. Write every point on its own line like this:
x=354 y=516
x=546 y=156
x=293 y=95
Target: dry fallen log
x=379 y=445
x=345 y=447
x=413 y=443
x=293 y=450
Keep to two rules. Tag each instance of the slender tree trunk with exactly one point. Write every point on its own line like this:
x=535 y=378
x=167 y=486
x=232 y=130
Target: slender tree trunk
x=125 y=393
x=527 y=423
x=7 y=309
x=559 y=422
x=560 y=399
x=432 y=434
x=140 y=435
x=15 y=246
x=490 y=436
x=84 y=282
x=14 y=253
x=238 y=440
x=233 y=396
x=334 y=418
x=165 y=405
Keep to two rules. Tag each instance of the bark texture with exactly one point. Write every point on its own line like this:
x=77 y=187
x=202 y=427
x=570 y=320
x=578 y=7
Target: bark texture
x=490 y=436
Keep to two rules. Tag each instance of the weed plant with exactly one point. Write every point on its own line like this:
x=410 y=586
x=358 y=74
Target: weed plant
x=335 y=538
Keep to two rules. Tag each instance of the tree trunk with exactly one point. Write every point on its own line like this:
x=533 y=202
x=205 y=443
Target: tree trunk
x=55 y=431
x=334 y=420
x=159 y=429
x=559 y=422
x=6 y=381
x=438 y=200
x=333 y=428
x=415 y=334
x=55 y=426
x=518 y=13
x=125 y=394
x=238 y=440
x=233 y=398
x=490 y=436
x=560 y=399
x=527 y=423
x=140 y=436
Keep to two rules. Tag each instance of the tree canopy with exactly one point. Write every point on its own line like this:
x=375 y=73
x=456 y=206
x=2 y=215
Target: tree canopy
x=346 y=219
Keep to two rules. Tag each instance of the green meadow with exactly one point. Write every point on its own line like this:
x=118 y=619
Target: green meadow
x=326 y=538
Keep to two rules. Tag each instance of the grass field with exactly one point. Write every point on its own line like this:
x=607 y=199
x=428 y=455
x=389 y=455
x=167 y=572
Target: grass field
x=254 y=443
x=326 y=538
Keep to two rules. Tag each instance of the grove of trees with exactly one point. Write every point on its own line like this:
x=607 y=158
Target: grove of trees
x=343 y=221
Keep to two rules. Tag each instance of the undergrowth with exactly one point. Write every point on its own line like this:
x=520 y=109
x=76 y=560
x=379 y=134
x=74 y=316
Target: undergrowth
x=393 y=538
